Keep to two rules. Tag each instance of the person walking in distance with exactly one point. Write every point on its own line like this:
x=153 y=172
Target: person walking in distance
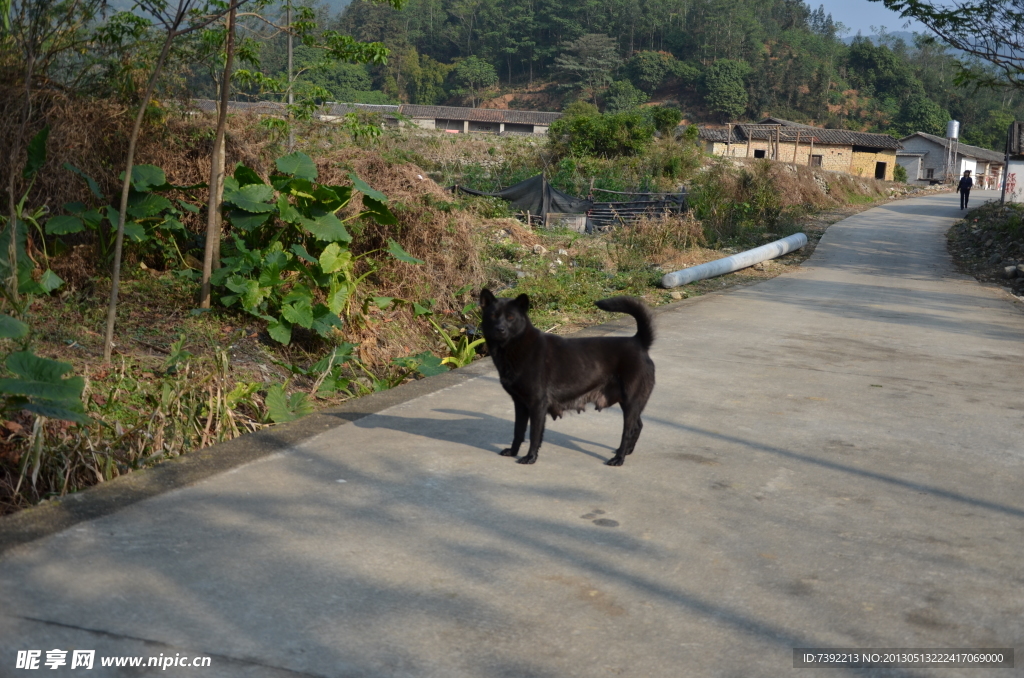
x=964 y=188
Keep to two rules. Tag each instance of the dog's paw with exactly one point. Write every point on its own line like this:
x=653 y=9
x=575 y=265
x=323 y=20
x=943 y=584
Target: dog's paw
x=615 y=461
x=527 y=459
x=507 y=452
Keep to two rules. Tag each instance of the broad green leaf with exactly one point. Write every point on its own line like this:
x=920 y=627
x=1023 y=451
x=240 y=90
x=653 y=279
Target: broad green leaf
x=281 y=182
x=344 y=193
x=395 y=250
x=339 y=294
x=250 y=292
x=64 y=224
x=332 y=385
x=301 y=252
x=247 y=221
x=327 y=198
x=326 y=226
x=425 y=363
x=280 y=331
x=50 y=281
x=92 y=218
x=135 y=231
x=383 y=302
x=12 y=328
x=276 y=257
x=240 y=393
x=30 y=366
x=251 y=198
x=65 y=411
x=379 y=212
x=189 y=207
x=246 y=176
x=339 y=356
x=297 y=164
x=366 y=189
x=286 y=211
x=147 y=177
x=281 y=408
x=325 y=321
x=143 y=205
x=430 y=364
x=334 y=258
x=172 y=224
x=418 y=310
x=93 y=186
x=36 y=153
x=298 y=293
x=299 y=312
x=301 y=188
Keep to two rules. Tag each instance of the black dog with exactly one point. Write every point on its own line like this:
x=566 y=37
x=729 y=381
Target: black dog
x=548 y=374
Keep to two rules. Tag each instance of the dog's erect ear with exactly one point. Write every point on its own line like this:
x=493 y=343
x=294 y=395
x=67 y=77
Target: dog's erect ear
x=486 y=298
x=523 y=302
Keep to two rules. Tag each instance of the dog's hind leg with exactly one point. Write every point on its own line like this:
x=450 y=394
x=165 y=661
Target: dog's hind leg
x=522 y=418
x=537 y=415
x=631 y=427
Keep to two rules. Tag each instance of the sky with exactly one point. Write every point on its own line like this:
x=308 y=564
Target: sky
x=861 y=15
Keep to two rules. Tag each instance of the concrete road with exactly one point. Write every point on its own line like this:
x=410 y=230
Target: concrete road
x=831 y=458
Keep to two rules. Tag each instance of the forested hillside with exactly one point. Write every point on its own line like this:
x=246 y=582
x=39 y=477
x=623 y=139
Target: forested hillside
x=717 y=60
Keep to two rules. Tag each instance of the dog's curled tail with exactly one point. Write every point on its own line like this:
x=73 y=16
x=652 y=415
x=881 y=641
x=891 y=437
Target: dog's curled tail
x=637 y=309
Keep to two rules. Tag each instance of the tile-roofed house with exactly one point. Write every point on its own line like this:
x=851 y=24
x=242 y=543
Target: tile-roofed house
x=332 y=111
x=857 y=153
x=495 y=120
x=447 y=118
x=258 y=107
x=927 y=160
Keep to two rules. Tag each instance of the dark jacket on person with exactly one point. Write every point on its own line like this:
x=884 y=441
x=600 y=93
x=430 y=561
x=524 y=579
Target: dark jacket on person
x=966 y=183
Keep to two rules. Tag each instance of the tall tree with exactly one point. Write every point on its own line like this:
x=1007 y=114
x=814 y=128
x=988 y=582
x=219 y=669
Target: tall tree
x=588 y=63
x=726 y=91
x=474 y=75
x=186 y=17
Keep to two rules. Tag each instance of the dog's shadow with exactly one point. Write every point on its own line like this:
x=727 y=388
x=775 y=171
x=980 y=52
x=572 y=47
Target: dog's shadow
x=483 y=431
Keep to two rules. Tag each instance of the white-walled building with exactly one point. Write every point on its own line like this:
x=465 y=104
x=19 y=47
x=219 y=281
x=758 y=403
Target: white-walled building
x=924 y=156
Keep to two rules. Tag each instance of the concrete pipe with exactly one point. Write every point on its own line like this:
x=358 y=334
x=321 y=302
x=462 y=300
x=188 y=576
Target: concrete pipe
x=735 y=262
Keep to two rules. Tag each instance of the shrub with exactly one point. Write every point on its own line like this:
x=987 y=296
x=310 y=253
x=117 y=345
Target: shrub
x=605 y=136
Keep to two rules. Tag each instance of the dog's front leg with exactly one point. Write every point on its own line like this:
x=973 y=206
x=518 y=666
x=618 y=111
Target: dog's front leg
x=522 y=417
x=537 y=414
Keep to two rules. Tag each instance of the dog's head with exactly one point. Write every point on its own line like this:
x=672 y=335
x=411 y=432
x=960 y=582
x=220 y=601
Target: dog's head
x=503 y=319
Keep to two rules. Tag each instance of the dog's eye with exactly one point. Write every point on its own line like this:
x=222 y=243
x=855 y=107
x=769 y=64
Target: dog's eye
x=510 y=317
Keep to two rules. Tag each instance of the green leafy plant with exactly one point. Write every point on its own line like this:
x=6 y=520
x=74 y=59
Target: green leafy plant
x=326 y=373
x=426 y=364
x=289 y=261
x=37 y=385
x=155 y=220
x=461 y=348
x=282 y=408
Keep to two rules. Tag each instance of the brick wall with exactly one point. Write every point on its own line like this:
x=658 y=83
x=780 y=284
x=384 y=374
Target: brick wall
x=833 y=158
x=864 y=163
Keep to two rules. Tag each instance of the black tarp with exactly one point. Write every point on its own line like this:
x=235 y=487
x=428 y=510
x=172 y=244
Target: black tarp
x=537 y=196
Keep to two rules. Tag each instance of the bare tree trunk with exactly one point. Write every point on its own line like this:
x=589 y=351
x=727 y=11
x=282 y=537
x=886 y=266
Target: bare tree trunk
x=217 y=168
x=115 y=273
x=12 y=202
